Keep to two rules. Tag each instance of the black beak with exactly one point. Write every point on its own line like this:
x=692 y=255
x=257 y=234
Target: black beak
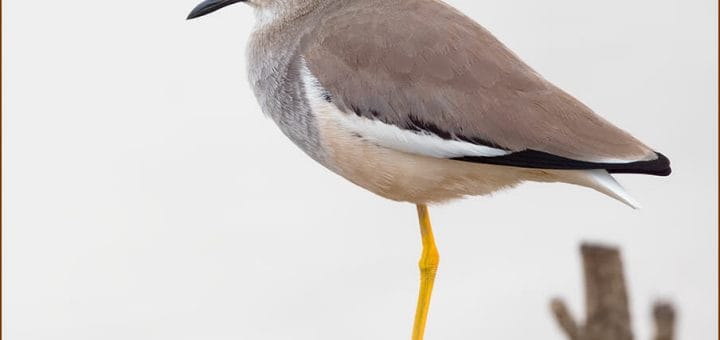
x=209 y=6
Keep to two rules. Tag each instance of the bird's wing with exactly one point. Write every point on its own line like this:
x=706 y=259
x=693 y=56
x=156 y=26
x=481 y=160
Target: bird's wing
x=421 y=67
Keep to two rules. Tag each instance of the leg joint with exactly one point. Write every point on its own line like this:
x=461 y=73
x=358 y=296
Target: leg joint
x=430 y=260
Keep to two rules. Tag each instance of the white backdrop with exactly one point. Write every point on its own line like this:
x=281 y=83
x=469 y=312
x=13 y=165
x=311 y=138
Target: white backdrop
x=146 y=197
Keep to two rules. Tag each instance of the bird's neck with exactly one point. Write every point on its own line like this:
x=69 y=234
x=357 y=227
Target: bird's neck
x=274 y=61
x=281 y=13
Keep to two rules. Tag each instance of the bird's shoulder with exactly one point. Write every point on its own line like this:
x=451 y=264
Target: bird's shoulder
x=417 y=40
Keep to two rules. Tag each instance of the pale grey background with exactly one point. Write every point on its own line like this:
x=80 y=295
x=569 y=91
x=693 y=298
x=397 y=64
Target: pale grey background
x=146 y=197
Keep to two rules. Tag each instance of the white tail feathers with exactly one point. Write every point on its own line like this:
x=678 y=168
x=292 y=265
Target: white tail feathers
x=602 y=181
x=599 y=180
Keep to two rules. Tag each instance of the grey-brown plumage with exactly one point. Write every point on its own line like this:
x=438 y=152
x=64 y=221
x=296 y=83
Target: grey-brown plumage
x=425 y=61
x=415 y=101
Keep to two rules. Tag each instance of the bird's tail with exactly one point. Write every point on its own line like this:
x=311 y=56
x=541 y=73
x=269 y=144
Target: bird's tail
x=603 y=182
x=598 y=179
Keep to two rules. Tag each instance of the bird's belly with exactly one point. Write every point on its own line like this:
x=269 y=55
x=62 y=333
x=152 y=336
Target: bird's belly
x=408 y=177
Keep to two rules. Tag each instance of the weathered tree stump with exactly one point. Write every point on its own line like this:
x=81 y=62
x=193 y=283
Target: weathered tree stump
x=607 y=314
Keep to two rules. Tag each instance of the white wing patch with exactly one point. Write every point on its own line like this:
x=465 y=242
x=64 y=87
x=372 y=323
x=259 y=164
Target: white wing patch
x=388 y=135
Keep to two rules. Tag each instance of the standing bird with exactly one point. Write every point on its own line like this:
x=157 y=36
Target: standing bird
x=416 y=102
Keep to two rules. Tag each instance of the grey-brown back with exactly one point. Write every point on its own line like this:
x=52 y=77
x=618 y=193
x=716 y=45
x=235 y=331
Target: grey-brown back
x=421 y=62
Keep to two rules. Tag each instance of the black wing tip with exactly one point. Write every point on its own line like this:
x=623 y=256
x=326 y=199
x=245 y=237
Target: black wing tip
x=542 y=160
x=656 y=167
x=665 y=162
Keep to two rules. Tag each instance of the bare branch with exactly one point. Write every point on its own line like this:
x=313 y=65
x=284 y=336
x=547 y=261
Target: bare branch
x=606 y=301
x=565 y=319
x=664 y=314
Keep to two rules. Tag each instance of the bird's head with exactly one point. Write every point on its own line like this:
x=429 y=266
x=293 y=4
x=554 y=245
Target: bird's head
x=209 y=6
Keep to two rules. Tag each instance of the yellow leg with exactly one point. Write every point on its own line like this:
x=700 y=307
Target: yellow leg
x=428 y=267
